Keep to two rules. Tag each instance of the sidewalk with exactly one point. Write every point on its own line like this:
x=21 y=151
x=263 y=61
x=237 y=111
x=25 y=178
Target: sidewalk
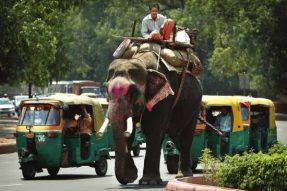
x=281 y=117
x=7 y=145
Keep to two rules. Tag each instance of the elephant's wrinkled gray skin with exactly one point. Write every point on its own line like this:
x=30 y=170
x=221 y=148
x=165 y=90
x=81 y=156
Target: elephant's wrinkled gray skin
x=133 y=86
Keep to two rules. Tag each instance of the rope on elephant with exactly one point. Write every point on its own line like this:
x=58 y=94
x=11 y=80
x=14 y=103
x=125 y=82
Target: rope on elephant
x=181 y=83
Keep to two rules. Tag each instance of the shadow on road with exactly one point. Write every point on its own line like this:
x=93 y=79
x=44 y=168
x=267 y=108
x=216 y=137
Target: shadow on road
x=68 y=177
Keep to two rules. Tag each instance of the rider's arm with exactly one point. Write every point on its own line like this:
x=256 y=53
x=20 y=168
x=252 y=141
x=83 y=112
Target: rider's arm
x=144 y=28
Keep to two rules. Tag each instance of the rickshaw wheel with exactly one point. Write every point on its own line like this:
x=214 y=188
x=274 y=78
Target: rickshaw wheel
x=172 y=163
x=136 y=150
x=101 y=166
x=28 y=170
x=53 y=171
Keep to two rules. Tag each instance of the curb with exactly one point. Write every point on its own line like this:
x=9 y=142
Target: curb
x=193 y=183
x=8 y=148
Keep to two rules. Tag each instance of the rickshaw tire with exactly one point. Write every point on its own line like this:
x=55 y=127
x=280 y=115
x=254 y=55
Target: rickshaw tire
x=172 y=163
x=53 y=171
x=101 y=166
x=28 y=170
x=136 y=150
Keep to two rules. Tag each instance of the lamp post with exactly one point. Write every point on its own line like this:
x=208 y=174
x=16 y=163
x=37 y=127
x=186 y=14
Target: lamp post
x=243 y=81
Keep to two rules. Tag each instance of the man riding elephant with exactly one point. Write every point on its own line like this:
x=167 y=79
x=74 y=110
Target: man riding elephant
x=156 y=26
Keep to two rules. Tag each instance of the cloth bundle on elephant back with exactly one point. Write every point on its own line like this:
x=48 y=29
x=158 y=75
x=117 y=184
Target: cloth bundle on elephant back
x=143 y=88
x=179 y=58
x=175 y=57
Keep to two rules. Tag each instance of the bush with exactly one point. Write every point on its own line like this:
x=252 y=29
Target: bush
x=210 y=166
x=252 y=171
x=278 y=148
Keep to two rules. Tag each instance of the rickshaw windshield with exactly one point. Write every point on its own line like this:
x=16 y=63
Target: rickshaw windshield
x=40 y=115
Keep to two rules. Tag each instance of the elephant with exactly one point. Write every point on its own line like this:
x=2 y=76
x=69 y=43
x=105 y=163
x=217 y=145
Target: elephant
x=142 y=92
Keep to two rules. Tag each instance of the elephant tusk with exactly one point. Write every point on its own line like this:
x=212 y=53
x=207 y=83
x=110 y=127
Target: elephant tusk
x=103 y=128
x=129 y=130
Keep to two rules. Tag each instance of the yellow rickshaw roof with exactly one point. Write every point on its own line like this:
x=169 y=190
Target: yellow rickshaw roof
x=217 y=100
x=102 y=101
x=69 y=99
x=256 y=101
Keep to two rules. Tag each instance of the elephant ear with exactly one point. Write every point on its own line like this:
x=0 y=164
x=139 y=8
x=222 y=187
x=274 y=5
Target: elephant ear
x=157 y=88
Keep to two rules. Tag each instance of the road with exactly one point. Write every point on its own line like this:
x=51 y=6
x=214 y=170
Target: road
x=70 y=179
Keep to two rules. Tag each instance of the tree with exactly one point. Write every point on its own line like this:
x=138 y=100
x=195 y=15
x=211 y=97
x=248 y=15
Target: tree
x=32 y=39
x=239 y=37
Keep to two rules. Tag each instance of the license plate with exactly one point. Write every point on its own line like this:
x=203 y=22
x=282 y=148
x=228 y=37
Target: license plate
x=29 y=135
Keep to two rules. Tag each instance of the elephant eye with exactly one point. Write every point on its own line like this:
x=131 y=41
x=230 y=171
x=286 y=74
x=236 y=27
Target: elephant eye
x=136 y=75
x=110 y=74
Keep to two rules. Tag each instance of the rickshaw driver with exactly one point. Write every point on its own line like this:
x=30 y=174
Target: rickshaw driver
x=223 y=121
x=85 y=130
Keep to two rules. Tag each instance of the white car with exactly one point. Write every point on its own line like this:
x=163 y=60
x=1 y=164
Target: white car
x=18 y=99
x=6 y=107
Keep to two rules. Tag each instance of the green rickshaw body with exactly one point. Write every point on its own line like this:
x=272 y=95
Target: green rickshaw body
x=48 y=135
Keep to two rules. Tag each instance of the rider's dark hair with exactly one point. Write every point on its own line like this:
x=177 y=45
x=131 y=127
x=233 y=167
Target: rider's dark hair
x=154 y=5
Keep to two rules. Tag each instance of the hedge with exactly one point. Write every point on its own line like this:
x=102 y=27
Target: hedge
x=252 y=171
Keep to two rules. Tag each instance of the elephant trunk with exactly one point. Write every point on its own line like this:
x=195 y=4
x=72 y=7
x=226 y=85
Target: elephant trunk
x=120 y=115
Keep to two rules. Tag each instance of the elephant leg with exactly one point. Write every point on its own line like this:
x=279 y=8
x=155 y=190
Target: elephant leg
x=151 y=174
x=152 y=129
x=185 y=142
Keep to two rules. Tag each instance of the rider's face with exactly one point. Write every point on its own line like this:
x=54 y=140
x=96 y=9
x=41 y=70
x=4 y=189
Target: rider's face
x=154 y=12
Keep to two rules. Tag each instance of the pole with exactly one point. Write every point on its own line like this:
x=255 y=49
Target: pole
x=134 y=26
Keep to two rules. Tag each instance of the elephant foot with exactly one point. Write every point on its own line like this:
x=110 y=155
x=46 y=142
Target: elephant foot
x=126 y=171
x=150 y=181
x=184 y=173
x=125 y=181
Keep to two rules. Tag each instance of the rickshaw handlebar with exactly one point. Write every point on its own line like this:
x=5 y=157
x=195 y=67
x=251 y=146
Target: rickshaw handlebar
x=217 y=131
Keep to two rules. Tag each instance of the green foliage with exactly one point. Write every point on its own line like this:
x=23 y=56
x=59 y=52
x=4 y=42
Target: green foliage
x=210 y=165
x=250 y=171
x=32 y=40
x=279 y=148
x=238 y=37
x=254 y=172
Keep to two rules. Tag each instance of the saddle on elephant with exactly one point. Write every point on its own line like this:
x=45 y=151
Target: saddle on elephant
x=175 y=59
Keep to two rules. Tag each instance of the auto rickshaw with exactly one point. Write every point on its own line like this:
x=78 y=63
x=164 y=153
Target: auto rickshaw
x=237 y=139
x=48 y=135
x=171 y=153
x=263 y=131
x=139 y=136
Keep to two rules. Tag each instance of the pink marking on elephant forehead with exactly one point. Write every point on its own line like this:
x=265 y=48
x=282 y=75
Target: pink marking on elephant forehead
x=118 y=88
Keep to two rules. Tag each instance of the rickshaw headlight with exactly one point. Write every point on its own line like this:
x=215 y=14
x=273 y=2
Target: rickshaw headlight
x=170 y=146
x=15 y=135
